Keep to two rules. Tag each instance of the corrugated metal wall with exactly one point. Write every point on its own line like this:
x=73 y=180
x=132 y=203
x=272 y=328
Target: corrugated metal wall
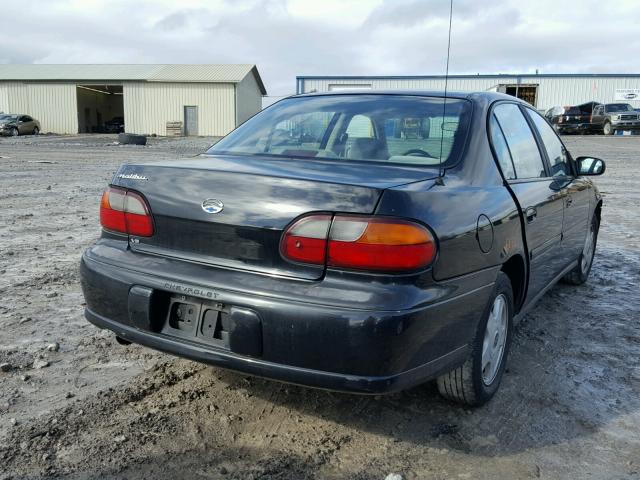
x=149 y=106
x=53 y=104
x=4 y=98
x=249 y=98
x=552 y=91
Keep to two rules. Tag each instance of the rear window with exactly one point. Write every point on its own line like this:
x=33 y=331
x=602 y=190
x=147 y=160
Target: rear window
x=374 y=128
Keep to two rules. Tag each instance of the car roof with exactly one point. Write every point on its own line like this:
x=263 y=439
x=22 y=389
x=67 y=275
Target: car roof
x=478 y=96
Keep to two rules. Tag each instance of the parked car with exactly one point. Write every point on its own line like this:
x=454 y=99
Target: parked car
x=572 y=119
x=349 y=254
x=115 y=125
x=15 y=125
x=610 y=117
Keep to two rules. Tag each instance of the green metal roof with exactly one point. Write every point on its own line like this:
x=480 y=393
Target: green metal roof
x=205 y=73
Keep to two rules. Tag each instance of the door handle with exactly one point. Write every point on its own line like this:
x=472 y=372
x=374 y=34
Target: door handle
x=569 y=200
x=531 y=213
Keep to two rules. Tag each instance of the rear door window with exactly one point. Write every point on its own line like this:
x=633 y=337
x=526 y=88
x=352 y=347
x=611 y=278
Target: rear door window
x=558 y=158
x=526 y=157
x=502 y=150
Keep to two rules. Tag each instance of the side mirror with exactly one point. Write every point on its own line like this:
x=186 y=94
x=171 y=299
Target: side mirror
x=590 y=166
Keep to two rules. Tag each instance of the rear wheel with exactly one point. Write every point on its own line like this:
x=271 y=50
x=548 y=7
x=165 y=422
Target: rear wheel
x=36 y=131
x=475 y=382
x=580 y=273
x=607 y=129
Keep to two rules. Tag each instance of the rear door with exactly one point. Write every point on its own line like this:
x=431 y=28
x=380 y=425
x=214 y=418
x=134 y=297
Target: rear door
x=25 y=124
x=576 y=191
x=541 y=203
x=598 y=115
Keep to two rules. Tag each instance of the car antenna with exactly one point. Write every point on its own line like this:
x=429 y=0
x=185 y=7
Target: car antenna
x=440 y=179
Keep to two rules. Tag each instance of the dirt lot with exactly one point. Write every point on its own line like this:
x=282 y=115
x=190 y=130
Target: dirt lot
x=75 y=404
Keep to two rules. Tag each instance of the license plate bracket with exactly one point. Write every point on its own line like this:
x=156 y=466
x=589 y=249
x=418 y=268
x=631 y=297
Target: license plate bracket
x=192 y=318
x=233 y=328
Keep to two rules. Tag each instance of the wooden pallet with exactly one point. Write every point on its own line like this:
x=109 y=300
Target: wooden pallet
x=174 y=129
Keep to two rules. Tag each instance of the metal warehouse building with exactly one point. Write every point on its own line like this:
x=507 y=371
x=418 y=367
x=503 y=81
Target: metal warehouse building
x=207 y=99
x=543 y=91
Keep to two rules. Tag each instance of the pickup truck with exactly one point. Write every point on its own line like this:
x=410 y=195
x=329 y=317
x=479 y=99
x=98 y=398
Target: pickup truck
x=610 y=117
x=572 y=119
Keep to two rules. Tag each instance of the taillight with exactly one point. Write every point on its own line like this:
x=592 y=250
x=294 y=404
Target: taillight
x=379 y=244
x=306 y=240
x=358 y=242
x=125 y=211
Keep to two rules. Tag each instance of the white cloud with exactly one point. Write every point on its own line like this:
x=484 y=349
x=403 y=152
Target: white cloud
x=286 y=38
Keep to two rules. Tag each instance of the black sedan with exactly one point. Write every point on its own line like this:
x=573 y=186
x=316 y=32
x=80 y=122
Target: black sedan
x=350 y=241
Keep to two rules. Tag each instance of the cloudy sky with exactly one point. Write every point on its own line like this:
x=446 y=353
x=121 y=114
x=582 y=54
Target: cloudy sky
x=286 y=38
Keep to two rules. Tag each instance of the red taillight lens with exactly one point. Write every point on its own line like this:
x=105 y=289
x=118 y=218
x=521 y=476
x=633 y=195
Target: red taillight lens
x=306 y=240
x=379 y=244
x=361 y=243
x=125 y=211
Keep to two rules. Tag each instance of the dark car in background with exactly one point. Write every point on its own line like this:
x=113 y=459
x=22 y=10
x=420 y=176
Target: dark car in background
x=115 y=125
x=349 y=241
x=572 y=119
x=611 y=117
x=19 y=124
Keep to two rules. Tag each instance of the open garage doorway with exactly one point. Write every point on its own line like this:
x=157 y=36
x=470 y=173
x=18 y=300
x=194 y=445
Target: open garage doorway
x=526 y=92
x=100 y=109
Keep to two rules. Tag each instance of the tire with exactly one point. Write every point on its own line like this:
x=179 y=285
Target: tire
x=36 y=131
x=470 y=384
x=131 y=139
x=580 y=273
x=606 y=128
x=15 y=132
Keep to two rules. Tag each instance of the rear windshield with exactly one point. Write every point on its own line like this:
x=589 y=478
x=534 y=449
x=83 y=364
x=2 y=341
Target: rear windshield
x=374 y=128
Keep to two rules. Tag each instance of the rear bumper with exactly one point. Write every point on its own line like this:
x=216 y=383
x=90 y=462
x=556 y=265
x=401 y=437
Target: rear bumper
x=574 y=127
x=325 y=346
x=285 y=373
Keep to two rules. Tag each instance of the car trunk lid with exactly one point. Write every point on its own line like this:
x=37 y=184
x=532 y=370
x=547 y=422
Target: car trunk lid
x=259 y=197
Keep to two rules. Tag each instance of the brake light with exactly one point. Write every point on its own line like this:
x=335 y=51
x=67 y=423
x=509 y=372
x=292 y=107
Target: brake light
x=306 y=240
x=358 y=242
x=125 y=211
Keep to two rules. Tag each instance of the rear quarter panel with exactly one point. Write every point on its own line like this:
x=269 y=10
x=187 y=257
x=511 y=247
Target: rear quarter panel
x=462 y=217
x=470 y=207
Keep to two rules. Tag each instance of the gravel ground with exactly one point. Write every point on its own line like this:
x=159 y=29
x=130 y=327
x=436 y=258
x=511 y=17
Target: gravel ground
x=75 y=404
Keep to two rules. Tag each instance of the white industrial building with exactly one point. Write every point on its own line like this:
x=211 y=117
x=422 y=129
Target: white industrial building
x=66 y=99
x=543 y=91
